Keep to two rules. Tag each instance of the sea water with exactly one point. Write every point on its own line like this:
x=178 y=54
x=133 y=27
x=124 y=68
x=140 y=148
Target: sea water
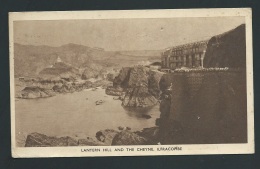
x=76 y=114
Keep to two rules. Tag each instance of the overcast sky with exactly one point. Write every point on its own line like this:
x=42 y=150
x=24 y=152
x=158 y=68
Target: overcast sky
x=122 y=34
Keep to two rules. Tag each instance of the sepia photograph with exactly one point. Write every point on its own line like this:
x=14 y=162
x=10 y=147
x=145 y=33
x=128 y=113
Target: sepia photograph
x=130 y=83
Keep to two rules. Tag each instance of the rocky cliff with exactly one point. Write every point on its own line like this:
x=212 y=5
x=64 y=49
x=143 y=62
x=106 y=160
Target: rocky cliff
x=227 y=49
x=138 y=86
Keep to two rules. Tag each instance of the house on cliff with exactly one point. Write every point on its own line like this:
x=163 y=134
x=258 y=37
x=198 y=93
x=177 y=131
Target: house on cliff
x=188 y=55
x=224 y=50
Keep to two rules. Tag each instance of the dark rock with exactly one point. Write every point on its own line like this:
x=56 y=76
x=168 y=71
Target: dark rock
x=140 y=86
x=41 y=140
x=65 y=88
x=106 y=136
x=138 y=97
x=87 y=84
x=151 y=134
x=128 y=128
x=92 y=70
x=116 y=98
x=99 y=102
x=227 y=49
x=60 y=70
x=120 y=128
x=128 y=138
x=153 y=83
x=89 y=142
x=122 y=79
x=146 y=116
x=35 y=92
x=124 y=128
x=111 y=76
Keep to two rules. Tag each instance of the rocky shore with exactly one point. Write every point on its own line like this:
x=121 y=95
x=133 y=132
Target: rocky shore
x=137 y=86
x=148 y=136
x=47 y=88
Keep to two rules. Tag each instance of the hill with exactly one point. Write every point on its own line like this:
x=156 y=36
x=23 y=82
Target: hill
x=30 y=60
x=61 y=70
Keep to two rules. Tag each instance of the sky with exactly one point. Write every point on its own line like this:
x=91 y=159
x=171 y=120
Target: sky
x=123 y=34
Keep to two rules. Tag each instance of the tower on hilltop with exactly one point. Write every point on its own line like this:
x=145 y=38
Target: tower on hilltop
x=58 y=60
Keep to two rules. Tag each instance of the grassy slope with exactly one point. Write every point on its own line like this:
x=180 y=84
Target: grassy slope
x=30 y=60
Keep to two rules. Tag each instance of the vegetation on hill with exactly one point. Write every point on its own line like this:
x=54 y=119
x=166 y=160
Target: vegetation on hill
x=30 y=60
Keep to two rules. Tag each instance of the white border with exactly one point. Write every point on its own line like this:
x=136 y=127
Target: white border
x=247 y=148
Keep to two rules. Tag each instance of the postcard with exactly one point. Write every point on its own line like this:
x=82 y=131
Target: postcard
x=131 y=82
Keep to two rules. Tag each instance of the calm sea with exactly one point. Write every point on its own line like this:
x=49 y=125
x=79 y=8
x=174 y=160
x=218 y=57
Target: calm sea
x=77 y=115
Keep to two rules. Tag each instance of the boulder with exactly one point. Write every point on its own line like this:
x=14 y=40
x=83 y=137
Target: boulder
x=89 y=142
x=41 y=140
x=106 y=136
x=128 y=138
x=89 y=73
x=92 y=70
x=151 y=134
x=146 y=116
x=35 y=92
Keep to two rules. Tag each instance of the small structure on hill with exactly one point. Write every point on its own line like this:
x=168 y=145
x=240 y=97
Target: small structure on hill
x=58 y=60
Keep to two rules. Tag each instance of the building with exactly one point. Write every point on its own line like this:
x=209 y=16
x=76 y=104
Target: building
x=59 y=60
x=187 y=55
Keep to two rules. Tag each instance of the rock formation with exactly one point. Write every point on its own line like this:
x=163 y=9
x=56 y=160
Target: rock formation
x=35 y=92
x=138 y=86
x=138 y=97
x=92 y=70
x=89 y=142
x=227 y=49
x=47 y=88
x=128 y=138
x=106 y=136
x=41 y=140
x=148 y=136
x=60 y=70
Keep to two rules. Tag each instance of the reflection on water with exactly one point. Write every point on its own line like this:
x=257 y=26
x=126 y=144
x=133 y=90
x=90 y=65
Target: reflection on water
x=77 y=114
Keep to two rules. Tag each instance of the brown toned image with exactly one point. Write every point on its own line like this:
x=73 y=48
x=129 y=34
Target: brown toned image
x=147 y=82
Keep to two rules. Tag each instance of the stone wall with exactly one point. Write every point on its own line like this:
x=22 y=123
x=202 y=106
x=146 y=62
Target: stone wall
x=204 y=107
